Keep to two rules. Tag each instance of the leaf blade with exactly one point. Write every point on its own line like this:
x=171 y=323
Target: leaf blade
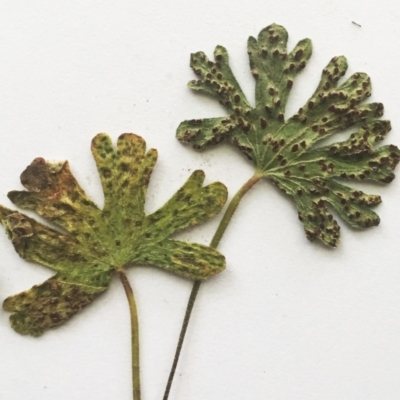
x=97 y=242
x=286 y=152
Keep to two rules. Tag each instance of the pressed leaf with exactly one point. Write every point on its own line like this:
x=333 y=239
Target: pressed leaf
x=94 y=242
x=285 y=151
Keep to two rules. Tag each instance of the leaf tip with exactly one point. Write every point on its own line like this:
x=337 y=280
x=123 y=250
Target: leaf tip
x=198 y=175
x=4 y=212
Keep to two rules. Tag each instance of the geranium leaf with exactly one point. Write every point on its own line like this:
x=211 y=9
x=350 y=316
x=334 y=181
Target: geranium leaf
x=285 y=151
x=95 y=242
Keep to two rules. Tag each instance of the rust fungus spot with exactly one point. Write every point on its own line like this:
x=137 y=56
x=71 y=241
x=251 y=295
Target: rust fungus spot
x=263 y=123
x=299 y=54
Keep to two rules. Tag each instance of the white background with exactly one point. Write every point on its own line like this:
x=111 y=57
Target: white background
x=288 y=319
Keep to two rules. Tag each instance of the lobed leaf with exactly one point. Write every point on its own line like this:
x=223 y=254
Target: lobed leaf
x=285 y=151
x=95 y=242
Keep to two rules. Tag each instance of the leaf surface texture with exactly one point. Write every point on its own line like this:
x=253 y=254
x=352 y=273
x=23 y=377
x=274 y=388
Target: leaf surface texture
x=92 y=242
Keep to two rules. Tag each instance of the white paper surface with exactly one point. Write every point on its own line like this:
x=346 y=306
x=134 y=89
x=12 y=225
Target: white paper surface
x=288 y=319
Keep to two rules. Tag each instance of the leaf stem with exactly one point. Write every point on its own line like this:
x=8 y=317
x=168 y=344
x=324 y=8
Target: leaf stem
x=196 y=286
x=134 y=333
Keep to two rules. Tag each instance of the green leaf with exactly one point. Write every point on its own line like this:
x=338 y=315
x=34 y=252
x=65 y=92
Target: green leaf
x=285 y=151
x=94 y=242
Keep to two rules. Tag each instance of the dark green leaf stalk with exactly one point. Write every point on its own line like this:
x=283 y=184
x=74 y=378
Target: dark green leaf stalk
x=284 y=151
